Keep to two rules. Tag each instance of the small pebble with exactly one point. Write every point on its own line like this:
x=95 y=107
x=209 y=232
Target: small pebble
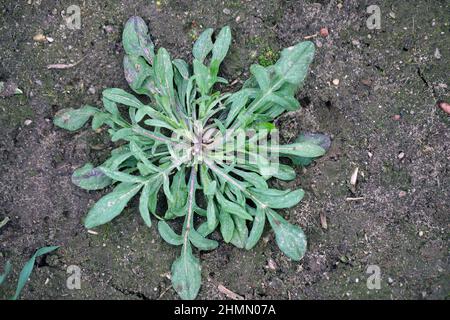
x=396 y=117
x=238 y=18
x=336 y=82
x=50 y=39
x=444 y=106
x=324 y=32
x=271 y=265
x=437 y=54
x=402 y=194
x=420 y=233
x=27 y=122
x=370 y=154
x=401 y=155
x=226 y=11
x=390 y=280
x=39 y=37
x=91 y=90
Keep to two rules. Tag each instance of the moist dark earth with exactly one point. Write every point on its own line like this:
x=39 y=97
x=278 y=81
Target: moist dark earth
x=373 y=91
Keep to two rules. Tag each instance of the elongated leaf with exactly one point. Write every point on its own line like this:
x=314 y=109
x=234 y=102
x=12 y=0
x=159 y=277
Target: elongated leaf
x=136 y=40
x=232 y=208
x=28 y=268
x=221 y=45
x=203 y=45
x=278 y=199
x=303 y=149
x=257 y=228
x=73 y=119
x=168 y=234
x=111 y=205
x=6 y=272
x=186 y=274
x=211 y=214
x=319 y=139
x=164 y=72
x=261 y=76
x=138 y=73
x=122 y=97
x=226 y=226
x=201 y=242
x=143 y=204
x=294 y=62
x=290 y=238
x=284 y=172
x=121 y=176
x=240 y=234
x=90 y=178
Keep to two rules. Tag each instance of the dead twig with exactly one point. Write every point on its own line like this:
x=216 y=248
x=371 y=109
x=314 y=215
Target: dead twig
x=230 y=294
x=63 y=66
x=354 y=199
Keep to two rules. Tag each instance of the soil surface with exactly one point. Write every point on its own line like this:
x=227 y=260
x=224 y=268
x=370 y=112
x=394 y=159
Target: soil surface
x=374 y=91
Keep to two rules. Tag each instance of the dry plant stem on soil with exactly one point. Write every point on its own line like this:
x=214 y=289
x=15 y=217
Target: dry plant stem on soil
x=179 y=144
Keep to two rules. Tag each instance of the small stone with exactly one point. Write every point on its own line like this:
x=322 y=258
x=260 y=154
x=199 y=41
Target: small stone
x=392 y=15
x=420 y=233
x=91 y=90
x=324 y=32
x=355 y=42
x=238 y=18
x=50 y=39
x=370 y=154
x=39 y=37
x=401 y=155
x=356 y=280
x=444 y=106
x=437 y=54
x=396 y=117
x=402 y=194
x=271 y=264
x=27 y=122
x=226 y=11
x=108 y=29
x=390 y=280
x=336 y=82
x=339 y=5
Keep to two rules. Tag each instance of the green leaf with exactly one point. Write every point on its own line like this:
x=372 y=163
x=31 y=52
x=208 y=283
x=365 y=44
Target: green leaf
x=136 y=40
x=138 y=73
x=290 y=238
x=257 y=228
x=232 y=207
x=140 y=155
x=226 y=226
x=111 y=205
x=143 y=204
x=203 y=45
x=122 y=97
x=221 y=45
x=319 y=139
x=90 y=178
x=278 y=199
x=261 y=76
x=186 y=274
x=73 y=119
x=122 y=176
x=6 y=272
x=211 y=214
x=285 y=173
x=201 y=242
x=294 y=62
x=28 y=268
x=240 y=234
x=303 y=149
x=164 y=72
x=168 y=234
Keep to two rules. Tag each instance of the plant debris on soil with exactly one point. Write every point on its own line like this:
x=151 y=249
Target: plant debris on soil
x=381 y=73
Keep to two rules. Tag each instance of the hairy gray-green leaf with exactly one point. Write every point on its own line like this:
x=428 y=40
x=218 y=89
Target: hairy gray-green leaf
x=186 y=274
x=278 y=199
x=73 y=119
x=290 y=238
x=111 y=205
x=136 y=40
x=90 y=178
x=168 y=234
x=203 y=45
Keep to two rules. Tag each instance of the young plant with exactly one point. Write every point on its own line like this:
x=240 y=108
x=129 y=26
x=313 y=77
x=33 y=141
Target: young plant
x=186 y=141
